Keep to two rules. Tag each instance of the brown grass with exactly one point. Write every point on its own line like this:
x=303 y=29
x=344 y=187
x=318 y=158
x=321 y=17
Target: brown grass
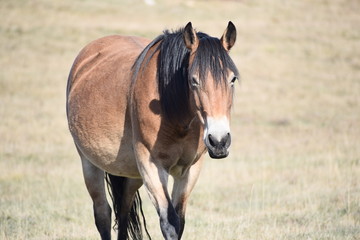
x=294 y=169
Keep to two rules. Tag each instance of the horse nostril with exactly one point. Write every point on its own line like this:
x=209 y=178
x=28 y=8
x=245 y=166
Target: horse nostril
x=227 y=140
x=212 y=141
x=224 y=142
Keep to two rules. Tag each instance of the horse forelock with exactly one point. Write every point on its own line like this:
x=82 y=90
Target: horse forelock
x=173 y=70
x=211 y=57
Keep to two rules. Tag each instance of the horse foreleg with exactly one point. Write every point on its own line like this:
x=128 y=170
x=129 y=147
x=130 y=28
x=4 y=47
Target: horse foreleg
x=183 y=186
x=94 y=180
x=155 y=179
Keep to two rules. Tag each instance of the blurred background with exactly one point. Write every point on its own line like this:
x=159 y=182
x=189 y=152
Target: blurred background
x=294 y=167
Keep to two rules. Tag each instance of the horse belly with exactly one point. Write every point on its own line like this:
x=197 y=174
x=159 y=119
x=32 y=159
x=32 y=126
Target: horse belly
x=108 y=148
x=112 y=158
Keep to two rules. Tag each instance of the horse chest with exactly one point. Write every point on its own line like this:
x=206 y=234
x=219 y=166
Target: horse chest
x=190 y=153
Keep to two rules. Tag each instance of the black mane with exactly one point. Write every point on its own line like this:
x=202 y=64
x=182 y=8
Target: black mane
x=173 y=70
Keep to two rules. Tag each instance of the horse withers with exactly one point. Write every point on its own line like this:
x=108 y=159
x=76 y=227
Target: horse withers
x=140 y=111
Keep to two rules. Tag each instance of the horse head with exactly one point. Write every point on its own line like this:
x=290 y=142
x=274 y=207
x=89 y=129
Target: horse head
x=211 y=79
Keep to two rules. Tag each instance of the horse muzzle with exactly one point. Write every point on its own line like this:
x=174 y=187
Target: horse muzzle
x=218 y=148
x=217 y=136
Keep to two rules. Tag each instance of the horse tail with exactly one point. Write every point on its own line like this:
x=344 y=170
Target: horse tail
x=131 y=227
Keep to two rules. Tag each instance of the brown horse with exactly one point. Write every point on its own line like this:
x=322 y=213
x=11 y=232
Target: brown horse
x=140 y=111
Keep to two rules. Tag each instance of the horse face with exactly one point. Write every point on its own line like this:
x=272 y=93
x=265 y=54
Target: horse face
x=211 y=81
x=213 y=102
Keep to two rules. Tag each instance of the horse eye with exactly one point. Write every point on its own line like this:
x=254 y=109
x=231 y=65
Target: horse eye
x=194 y=82
x=233 y=80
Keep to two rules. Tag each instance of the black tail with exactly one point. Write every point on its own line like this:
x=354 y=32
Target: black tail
x=131 y=226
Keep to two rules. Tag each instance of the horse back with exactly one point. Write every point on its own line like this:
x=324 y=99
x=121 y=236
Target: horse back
x=97 y=102
x=111 y=48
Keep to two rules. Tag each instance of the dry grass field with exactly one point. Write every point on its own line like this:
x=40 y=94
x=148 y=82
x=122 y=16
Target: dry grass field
x=294 y=168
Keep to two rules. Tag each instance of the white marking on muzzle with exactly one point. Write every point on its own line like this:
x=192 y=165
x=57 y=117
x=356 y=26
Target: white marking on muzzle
x=217 y=127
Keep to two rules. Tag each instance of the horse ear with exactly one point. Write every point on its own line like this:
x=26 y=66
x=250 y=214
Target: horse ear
x=229 y=37
x=190 y=38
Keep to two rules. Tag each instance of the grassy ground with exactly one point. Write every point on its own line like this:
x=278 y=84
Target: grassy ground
x=294 y=168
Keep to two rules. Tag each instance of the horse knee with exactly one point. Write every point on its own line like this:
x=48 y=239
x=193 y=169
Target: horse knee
x=102 y=210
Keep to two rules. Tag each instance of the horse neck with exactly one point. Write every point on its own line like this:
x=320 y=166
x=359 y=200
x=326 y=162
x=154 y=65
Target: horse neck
x=147 y=81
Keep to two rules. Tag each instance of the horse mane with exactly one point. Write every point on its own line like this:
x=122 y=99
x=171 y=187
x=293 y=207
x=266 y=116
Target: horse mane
x=173 y=70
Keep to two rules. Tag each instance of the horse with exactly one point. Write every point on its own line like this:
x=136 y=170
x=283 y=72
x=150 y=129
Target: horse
x=140 y=111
